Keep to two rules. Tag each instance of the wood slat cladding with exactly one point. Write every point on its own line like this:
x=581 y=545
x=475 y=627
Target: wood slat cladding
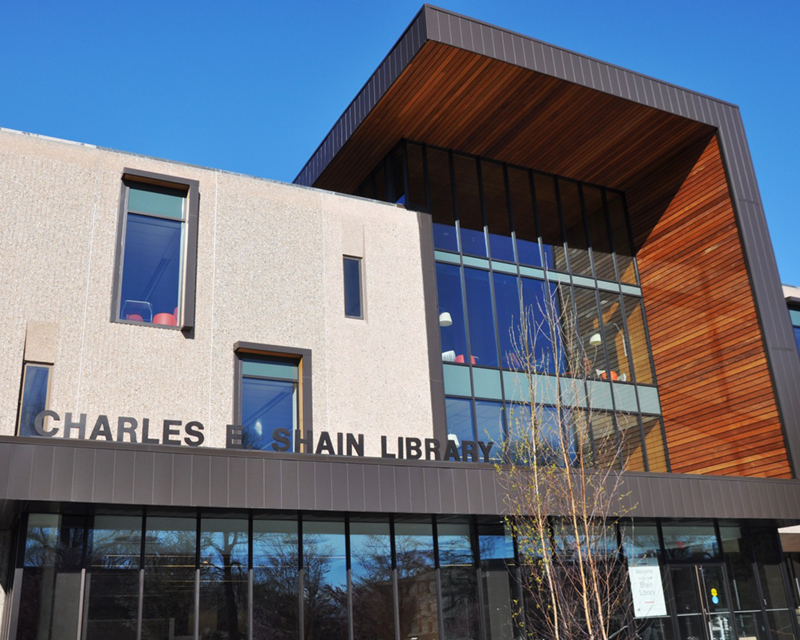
x=461 y=100
x=717 y=398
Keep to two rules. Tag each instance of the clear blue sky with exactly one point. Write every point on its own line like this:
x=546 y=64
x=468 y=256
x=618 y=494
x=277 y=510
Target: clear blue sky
x=253 y=86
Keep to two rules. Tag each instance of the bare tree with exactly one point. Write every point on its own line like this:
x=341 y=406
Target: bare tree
x=563 y=490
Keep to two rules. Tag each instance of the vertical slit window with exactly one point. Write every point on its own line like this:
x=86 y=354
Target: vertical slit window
x=468 y=202
x=549 y=222
x=623 y=247
x=598 y=233
x=495 y=204
x=353 y=307
x=35 y=395
x=440 y=186
x=519 y=186
x=569 y=193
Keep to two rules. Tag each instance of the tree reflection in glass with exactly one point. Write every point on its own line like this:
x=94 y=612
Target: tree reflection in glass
x=275 y=588
x=223 y=579
x=51 y=577
x=416 y=578
x=371 y=575
x=169 y=578
x=459 y=582
x=324 y=580
x=111 y=597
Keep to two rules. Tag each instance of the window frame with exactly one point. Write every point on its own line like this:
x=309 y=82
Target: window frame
x=25 y=365
x=243 y=350
x=360 y=261
x=188 y=275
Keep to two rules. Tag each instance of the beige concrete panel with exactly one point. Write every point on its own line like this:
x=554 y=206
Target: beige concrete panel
x=267 y=284
x=47 y=197
x=41 y=342
x=377 y=368
x=148 y=372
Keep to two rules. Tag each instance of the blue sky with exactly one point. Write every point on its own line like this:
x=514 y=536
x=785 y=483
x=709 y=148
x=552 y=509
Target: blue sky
x=254 y=86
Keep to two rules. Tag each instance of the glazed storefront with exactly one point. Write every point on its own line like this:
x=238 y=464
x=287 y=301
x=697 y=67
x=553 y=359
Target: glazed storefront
x=97 y=573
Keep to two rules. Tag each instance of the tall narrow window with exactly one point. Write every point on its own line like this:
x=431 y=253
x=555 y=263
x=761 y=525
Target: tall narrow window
x=35 y=393
x=157 y=252
x=353 y=307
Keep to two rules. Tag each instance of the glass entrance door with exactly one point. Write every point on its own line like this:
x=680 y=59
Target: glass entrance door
x=701 y=602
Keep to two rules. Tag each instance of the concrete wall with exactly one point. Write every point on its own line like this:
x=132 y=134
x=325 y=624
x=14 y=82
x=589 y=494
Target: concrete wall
x=269 y=270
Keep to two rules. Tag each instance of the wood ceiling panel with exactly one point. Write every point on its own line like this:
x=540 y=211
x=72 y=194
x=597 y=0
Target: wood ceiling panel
x=460 y=100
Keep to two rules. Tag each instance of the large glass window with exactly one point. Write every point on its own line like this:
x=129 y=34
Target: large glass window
x=460 y=616
x=35 y=391
x=223 y=579
x=416 y=580
x=154 y=241
x=324 y=580
x=111 y=598
x=168 y=607
x=269 y=400
x=371 y=576
x=276 y=555
x=51 y=578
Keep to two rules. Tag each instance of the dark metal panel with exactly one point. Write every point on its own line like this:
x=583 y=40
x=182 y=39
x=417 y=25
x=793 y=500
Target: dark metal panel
x=5 y=464
x=355 y=488
x=123 y=477
x=254 y=474
x=418 y=493
x=201 y=481
x=448 y=492
x=63 y=473
x=433 y=490
x=237 y=483
x=473 y=496
x=182 y=479
x=82 y=483
x=402 y=489
x=323 y=486
x=143 y=482
x=339 y=487
x=272 y=470
x=104 y=469
x=518 y=50
x=387 y=488
x=219 y=481
x=289 y=485
x=306 y=485
x=372 y=487
x=42 y=473
x=162 y=477
x=489 y=492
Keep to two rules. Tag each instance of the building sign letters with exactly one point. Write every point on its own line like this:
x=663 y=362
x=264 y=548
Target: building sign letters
x=49 y=424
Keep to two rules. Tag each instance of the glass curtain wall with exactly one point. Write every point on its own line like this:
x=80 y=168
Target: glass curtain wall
x=535 y=274
x=132 y=575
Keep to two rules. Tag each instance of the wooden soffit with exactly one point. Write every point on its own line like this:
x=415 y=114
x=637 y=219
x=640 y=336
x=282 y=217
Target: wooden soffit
x=469 y=102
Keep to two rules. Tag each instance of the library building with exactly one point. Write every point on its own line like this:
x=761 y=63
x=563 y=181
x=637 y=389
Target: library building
x=238 y=409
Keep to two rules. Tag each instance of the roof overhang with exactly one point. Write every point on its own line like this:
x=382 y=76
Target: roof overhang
x=454 y=82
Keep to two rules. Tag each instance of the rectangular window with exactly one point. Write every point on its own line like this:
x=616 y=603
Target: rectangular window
x=352 y=288
x=34 y=397
x=157 y=251
x=273 y=395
